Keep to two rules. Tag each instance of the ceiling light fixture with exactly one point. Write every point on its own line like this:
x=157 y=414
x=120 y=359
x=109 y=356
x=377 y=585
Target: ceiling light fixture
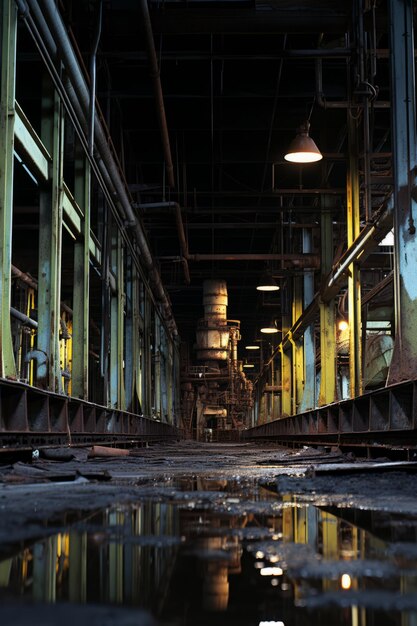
x=252 y=347
x=267 y=283
x=303 y=149
x=269 y=330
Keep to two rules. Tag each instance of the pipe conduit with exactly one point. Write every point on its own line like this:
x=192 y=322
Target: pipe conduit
x=49 y=23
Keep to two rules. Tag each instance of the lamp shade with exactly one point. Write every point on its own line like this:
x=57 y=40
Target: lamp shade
x=267 y=283
x=303 y=149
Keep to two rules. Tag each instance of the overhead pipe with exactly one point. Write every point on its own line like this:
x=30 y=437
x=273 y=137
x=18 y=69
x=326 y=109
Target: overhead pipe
x=33 y=283
x=368 y=238
x=301 y=260
x=180 y=230
x=369 y=93
x=55 y=26
x=92 y=110
x=155 y=75
x=25 y=319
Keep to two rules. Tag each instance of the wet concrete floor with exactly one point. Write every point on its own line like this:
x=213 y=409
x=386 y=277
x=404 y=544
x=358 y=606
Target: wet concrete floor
x=202 y=534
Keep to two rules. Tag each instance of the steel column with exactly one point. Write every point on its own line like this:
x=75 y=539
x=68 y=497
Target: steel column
x=117 y=393
x=50 y=240
x=404 y=361
x=297 y=347
x=81 y=292
x=286 y=371
x=354 y=282
x=7 y=119
x=157 y=368
x=132 y=338
x=308 y=399
x=77 y=574
x=327 y=316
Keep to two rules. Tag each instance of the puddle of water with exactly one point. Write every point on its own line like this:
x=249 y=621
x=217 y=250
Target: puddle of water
x=226 y=553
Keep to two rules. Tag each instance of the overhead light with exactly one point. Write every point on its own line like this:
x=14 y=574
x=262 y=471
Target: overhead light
x=267 y=283
x=303 y=149
x=270 y=330
x=248 y=365
x=252 y=347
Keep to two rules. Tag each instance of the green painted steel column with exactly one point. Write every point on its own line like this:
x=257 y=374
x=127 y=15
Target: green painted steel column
x=354 y=281
x=328 y=352
x=81 y=292
x=50 y=240
x=404 y=360
x=7 y=117
x=117 y=391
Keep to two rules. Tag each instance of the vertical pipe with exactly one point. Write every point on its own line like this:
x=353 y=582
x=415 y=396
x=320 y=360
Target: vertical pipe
x=93 y=74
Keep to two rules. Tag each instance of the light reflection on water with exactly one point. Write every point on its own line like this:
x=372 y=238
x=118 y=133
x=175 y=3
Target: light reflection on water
x=226 y=555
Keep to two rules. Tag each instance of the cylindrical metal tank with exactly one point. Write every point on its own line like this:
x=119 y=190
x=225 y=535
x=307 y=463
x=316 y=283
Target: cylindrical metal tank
x=212 y=332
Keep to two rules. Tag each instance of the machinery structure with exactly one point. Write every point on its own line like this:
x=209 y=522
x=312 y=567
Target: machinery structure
x=216 y=395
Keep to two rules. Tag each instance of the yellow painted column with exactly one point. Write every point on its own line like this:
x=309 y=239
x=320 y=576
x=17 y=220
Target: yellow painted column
x=354 y=284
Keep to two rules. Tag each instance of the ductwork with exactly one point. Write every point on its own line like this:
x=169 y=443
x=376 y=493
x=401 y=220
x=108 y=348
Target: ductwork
x=52 y=29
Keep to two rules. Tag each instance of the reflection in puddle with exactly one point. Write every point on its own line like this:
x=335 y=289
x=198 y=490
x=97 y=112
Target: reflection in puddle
x=235 y=550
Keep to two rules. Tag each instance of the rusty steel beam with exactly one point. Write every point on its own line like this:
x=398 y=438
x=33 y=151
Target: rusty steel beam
x=378 y=416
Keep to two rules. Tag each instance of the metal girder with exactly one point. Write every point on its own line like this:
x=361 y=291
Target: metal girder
x=373 y=419
x=250 y=20
x=8 y=18
x=31 y=144
x=35 y=418
x=404 y=360
x=35 y=151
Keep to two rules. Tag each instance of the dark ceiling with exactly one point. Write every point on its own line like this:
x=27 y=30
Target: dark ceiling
x=238 y=78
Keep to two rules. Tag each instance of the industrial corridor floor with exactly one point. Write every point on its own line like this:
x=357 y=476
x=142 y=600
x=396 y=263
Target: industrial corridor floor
x=201 y=533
